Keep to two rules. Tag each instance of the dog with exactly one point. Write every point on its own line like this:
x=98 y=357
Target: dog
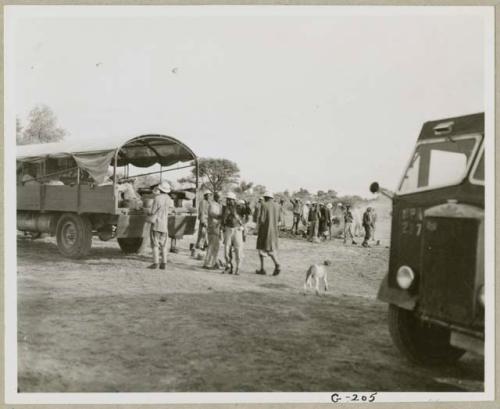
x=317 y=272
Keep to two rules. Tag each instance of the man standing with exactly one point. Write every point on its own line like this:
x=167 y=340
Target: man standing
x=368 y=225
x=305 y=215
x=267 y=239
x=232 y=224
x=314 y=222
x=374 y=222
x=158 y=217
x=201 y=242
x=328 y=216
x=213 y=232
x=281 y=222
x=348 y=221
x=296 y=203
x=256 y=213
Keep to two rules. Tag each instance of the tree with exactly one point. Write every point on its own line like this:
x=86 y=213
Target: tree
x=19 y=131
x=259 y=190
x=243 y=187
x=216 y=175
x=42 y=127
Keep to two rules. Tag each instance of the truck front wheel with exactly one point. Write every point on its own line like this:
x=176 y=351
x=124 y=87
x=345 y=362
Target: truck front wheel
x=419 y=341
x=74 y=235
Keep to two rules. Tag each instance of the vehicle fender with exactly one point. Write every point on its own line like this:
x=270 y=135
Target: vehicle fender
x=395 y=296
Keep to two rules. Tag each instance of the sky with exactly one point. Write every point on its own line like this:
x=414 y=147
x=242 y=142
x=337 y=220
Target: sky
x=312 y=99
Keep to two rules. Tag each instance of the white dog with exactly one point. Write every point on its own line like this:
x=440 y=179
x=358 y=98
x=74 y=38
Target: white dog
x=317 y=272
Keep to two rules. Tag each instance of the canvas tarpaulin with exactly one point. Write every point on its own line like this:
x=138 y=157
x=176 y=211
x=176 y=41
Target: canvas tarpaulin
x=96 y=164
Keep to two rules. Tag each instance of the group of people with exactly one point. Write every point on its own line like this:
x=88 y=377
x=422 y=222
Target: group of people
x=369 y=220
x=226 y=223
x=219 y=222
x=318 y=219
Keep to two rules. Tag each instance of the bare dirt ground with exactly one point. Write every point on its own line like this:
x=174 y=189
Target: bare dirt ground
x=100 y=325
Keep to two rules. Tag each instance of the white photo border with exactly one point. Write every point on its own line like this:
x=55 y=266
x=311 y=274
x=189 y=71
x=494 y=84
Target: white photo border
x=14 y=13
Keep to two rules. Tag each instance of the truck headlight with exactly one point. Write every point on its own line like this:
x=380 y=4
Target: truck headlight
x=405 y=277
x=480 y=295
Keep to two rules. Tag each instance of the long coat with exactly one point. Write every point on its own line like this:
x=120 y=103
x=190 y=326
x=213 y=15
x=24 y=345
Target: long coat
x=159 y=213
x=267 y=238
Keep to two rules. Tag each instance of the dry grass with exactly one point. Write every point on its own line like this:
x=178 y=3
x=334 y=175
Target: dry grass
x=99 y=325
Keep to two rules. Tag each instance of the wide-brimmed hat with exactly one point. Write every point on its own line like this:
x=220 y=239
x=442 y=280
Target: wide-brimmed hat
x=268 y=194
x=329 y=205
x=164 y=187
x=231 y=195
x=241 y=201
x=207 y=192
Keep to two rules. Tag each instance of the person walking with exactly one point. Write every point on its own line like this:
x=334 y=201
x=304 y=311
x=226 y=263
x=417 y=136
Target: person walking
x=296 y=209
x=368 y=225
x=304 y=215
x=232 y=224
x=158 y=217
x=213 y=233
x=201 y=242
x=267 y=239
x=348 y=225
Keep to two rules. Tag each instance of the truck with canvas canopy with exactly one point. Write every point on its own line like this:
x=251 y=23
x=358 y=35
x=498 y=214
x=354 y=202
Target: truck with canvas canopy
x=79 y=190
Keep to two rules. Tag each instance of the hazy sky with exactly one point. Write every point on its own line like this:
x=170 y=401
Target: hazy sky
x=314 y=100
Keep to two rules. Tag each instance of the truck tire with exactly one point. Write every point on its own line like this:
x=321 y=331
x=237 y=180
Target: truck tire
x=419 y=341
x=130 y=245
x=74 y=235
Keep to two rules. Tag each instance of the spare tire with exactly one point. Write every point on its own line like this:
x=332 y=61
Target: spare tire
x=130 y=245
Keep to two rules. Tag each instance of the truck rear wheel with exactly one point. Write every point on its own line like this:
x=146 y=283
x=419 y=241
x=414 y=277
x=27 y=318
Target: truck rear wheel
x=421 y=342
x=74 y=235
x=130 y=245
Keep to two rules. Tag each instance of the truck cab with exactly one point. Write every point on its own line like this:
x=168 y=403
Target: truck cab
x=435 y=283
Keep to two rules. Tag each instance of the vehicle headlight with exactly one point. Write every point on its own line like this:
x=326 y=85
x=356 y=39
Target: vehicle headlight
x=480 y=294
x=405 y=277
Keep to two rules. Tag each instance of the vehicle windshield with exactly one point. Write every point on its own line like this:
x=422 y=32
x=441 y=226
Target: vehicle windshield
x=438 y=163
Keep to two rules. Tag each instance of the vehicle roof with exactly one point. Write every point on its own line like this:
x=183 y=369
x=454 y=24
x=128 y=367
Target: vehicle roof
x=459 y=125
x=142 y=150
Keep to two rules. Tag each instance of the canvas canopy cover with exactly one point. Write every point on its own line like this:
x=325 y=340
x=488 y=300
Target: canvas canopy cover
x=142 y=151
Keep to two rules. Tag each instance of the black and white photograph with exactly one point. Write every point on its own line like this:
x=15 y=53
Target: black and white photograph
x=249 y=204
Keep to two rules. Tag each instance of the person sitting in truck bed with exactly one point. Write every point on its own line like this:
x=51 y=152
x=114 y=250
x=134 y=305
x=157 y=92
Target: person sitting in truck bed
x=29 y=180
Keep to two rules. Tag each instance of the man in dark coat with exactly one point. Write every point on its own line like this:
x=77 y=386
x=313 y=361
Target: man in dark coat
x=267 y=238
x=368 y=225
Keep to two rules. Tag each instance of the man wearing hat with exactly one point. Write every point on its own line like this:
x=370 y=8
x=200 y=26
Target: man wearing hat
x=232 y=225
x=213 y=230
x=348 y=220
x=201 y=242
x=296 y=203
x=267 y=238
x=158 y=217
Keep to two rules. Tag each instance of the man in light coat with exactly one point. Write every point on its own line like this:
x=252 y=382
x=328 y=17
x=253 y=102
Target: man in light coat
x=201 y=242
x=158 y=217
x=214 y=232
